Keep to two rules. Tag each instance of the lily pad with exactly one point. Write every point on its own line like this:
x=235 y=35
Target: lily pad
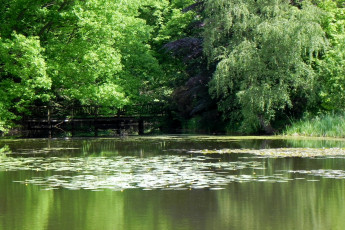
x=280 y=152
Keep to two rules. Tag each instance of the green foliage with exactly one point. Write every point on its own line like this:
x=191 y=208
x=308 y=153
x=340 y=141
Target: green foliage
x=269 y=59
x=167 y=19
x=332 y=66
x=97 y=56
x=4 y=150
x=193 y=125
x=23 y=76
x=265 y=51
x=168 y=23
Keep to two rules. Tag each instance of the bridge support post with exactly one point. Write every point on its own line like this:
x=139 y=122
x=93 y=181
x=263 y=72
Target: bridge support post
x=141 y=126
x=49 y=122
x=72 y=123
x=73 y=127
x=95 y=122
x=95 y=128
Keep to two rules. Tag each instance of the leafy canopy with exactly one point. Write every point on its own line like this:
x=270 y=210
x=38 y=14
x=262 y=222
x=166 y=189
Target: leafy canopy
x=95 y=52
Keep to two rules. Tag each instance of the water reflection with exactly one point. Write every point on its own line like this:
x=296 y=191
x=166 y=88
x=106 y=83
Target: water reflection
x=294 y=205
x=151 y=146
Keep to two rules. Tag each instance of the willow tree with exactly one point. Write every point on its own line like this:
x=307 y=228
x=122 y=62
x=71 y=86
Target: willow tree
x=264 y=50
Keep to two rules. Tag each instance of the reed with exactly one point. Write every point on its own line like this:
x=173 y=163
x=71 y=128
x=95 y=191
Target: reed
x=327 y=125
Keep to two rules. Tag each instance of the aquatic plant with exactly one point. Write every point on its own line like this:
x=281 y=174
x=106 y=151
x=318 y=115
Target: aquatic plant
x=4 y=150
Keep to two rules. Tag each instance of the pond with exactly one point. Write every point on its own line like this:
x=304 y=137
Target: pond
x=172 y=182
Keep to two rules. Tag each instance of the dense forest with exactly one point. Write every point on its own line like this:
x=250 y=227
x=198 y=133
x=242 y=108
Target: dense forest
x=222 y=66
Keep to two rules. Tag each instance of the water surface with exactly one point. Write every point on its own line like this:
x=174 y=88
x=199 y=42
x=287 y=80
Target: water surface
x=164 y=183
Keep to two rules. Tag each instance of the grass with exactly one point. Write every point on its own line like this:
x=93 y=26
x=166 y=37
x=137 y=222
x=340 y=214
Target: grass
x=328 y=125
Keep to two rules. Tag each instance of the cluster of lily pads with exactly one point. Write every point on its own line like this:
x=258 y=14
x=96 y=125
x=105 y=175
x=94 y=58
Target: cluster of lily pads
x=164 y=172
x=120 y=173
x=324 y=173
x=280 y=152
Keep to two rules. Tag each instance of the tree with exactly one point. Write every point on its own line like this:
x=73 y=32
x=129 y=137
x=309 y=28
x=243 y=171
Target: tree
x=23 y=76
x=191 y=102
x=97 y=53
x=264 y=51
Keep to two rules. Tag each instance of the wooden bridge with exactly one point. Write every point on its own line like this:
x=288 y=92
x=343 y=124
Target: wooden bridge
x=48 y=120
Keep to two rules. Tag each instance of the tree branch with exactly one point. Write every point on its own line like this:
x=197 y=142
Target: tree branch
x=47 y=26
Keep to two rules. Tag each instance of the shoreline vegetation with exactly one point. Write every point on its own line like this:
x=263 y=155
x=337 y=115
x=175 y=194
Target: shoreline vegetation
x=326 y=125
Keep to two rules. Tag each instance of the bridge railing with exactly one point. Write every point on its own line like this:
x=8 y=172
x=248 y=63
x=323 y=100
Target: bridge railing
x=57 y=112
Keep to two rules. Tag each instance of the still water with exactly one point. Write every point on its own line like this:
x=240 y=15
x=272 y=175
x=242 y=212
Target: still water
x=164 y=183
